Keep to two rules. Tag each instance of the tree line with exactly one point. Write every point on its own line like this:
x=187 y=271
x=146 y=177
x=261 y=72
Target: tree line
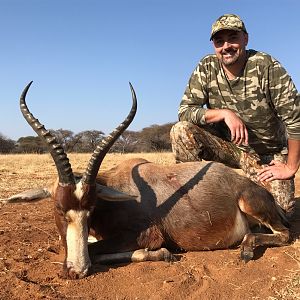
x=149 y=139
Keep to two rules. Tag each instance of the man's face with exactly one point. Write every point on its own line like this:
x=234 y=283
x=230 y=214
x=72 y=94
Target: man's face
x=230 y=46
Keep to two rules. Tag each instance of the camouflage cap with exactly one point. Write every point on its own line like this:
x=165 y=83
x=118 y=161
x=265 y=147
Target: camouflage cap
x=227 y=21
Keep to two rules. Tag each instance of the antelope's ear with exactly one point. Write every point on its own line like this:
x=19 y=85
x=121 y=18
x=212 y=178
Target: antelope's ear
x=28 y=196
x=110 y=194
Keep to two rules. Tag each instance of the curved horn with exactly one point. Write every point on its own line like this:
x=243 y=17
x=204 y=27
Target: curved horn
x=103 y=147
x=61 y=160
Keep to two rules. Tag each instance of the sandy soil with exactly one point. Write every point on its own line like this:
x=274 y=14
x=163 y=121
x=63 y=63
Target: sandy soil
x=31 y=255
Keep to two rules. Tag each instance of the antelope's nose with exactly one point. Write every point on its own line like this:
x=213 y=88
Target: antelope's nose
x=72 y=273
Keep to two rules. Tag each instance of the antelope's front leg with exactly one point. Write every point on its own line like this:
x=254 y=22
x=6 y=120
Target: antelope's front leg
x=140 y=255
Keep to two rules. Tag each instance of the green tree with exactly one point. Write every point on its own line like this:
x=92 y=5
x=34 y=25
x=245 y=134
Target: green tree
x=31 y=144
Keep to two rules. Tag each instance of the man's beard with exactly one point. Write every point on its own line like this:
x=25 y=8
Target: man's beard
x=228 y=61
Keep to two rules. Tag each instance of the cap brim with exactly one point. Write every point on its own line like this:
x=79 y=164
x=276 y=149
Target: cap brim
x=224 y=28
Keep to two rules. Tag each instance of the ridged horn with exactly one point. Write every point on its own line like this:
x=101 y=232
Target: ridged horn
x=65 y=173
x=103 y=147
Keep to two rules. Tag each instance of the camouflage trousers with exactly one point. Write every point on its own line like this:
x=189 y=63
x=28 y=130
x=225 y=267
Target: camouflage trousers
x=193 y=143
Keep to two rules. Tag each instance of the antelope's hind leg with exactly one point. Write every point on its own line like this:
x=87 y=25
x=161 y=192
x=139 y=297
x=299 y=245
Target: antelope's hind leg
x=259 y=204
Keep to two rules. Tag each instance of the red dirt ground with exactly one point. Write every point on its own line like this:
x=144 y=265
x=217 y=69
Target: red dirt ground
x=31 y=255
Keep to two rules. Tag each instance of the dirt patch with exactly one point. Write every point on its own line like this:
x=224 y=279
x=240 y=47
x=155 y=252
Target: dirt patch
x=31 y=256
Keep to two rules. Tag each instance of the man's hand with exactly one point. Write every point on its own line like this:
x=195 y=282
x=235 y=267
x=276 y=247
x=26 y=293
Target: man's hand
x=275 y=170
x=280 y=170
x=238 y=130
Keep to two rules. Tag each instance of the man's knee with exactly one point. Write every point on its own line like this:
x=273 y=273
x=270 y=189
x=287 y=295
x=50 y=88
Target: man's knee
x=184 y=145
x=282 y=190
x=284 y=194
x=192 y=143
x=182 y=132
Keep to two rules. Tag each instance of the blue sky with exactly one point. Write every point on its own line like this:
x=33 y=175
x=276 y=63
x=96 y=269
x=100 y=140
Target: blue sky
x=82 y=54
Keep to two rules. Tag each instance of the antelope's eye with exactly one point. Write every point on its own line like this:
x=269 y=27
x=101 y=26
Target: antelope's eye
x=91 y=210
x=68 y=219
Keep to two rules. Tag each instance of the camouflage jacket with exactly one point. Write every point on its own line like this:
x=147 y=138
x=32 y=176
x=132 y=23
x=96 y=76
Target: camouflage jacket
x=264 y=97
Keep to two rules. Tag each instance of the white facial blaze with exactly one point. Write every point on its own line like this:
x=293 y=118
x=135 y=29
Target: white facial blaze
x=79 y=191
x=77 y=241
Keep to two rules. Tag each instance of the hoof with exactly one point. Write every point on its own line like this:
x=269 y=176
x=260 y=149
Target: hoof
x=247 y=255
x=170 y=257
x=167 y=255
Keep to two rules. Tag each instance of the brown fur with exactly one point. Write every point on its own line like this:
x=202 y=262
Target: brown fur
x=189 y=206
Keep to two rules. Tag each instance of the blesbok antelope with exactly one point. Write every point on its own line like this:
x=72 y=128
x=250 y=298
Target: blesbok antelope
x=138 y=207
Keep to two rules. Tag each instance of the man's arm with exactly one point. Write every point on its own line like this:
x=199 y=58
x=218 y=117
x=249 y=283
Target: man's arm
x=195 y=98
x=286 y=100
x=194 y=106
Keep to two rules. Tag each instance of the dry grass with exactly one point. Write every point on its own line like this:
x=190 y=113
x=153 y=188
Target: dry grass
x=16 y=170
